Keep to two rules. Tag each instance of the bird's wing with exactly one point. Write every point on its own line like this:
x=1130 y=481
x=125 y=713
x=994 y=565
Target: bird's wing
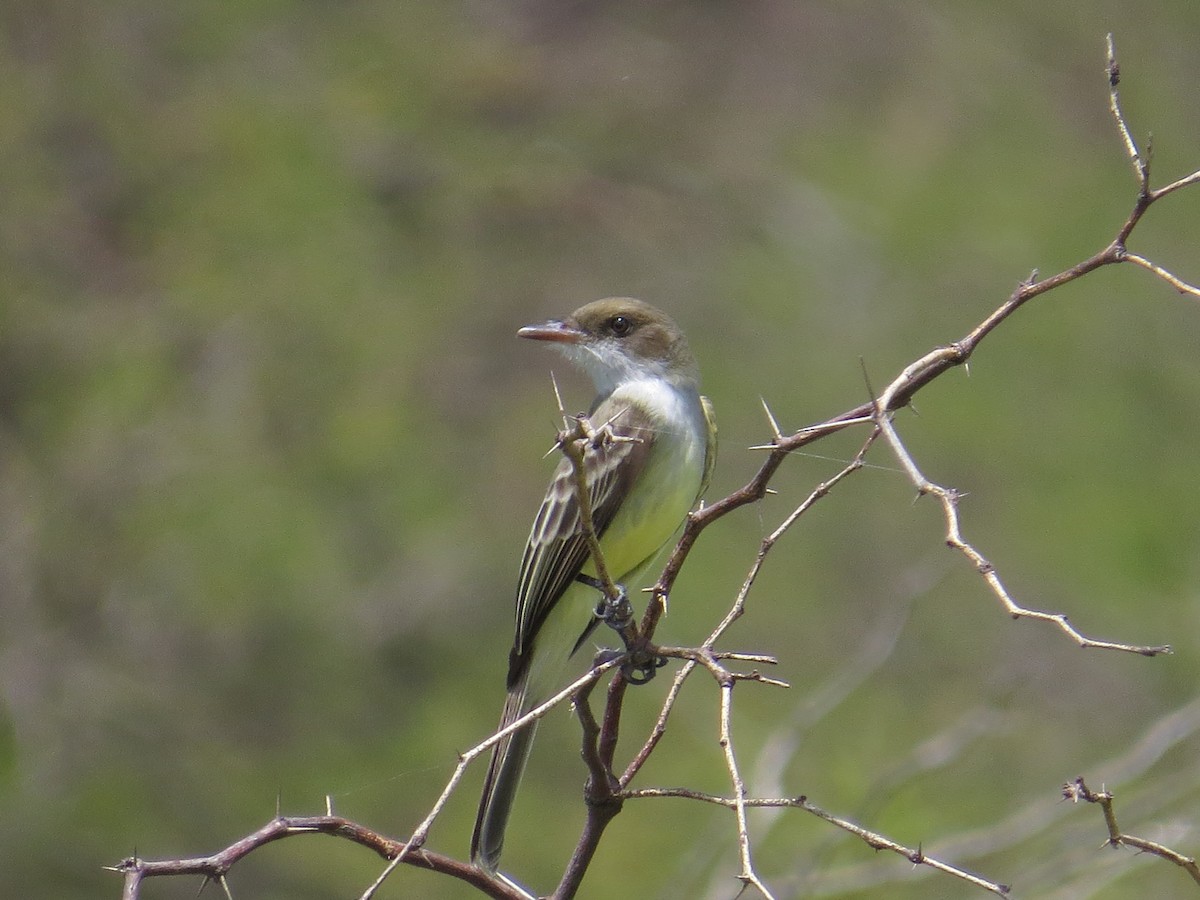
x=558 y=549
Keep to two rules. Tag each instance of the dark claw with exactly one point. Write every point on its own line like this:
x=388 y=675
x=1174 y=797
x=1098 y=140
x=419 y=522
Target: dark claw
x=617 y=612
x=640 y=673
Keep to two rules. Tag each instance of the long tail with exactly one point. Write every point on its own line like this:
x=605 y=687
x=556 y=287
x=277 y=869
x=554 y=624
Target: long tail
x=503 y=777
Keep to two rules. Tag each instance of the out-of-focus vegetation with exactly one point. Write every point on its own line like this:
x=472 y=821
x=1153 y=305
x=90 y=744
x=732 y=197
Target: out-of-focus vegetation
x=269 y=449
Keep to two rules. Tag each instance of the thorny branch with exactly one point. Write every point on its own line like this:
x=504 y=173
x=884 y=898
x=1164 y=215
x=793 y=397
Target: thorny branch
x=879 y=411
x=875 y=841
x=600 y=740
x=421 y=834
x=215 y=867
x=949 y=498
x=1078 y=790
x=899 y=393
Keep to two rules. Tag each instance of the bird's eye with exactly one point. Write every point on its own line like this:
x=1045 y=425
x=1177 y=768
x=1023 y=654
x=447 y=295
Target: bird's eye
x=620 y=325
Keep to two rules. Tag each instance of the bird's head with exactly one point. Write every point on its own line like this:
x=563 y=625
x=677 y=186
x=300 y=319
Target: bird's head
x=620 y=339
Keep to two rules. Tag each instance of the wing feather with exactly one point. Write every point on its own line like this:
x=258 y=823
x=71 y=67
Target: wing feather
x=557 y=549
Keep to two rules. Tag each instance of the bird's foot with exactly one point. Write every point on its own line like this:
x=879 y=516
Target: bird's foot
x=614 y=611
x=639 y=666
x=641 y=662
x=642 y=666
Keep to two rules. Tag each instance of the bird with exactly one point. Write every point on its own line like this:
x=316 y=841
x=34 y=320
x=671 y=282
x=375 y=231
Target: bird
x=642 y=483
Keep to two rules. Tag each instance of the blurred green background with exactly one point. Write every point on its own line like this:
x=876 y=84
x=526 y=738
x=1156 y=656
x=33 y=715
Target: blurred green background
x=269 y=448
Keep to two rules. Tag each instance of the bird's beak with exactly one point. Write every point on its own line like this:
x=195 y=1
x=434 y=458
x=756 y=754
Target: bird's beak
x=555 y=330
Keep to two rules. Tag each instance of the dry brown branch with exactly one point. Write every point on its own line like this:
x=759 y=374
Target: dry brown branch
x=915 y=856
x=872 y=839
x=421 y=833
x=933 y=364
x=1078 y=790
x=726 y=680
x=215 y=867
x=769 y=542
x=949 y=499
x=707 y=657
x=604 y=800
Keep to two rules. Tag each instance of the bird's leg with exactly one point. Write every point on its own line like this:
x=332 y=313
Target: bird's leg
x=617 y=613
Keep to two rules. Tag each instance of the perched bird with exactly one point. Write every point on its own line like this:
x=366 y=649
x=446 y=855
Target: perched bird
x=641 y=484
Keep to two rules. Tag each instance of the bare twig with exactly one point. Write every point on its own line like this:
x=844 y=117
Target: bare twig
x=1078 y=790
x=1173 y=280
x=949 y=499
x=421 y=833
x=216 y=866
x=660 y=725
x=897 y=395
x=1141 y=167
x=768 y=543
x=936 y=363
x=872 y=839
x=737 y=609
x=1183 y=182
x=603 y=799
x=747 y=875
x=726 y=680
x=915 y=856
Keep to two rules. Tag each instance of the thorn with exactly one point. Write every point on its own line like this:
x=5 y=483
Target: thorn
x=876 y=409
x=771 y=418
x=771 y=491
x=328 y=805
x=557 y=395
x=619 y=438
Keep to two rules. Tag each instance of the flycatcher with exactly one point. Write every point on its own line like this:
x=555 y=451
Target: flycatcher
x=641 y=486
